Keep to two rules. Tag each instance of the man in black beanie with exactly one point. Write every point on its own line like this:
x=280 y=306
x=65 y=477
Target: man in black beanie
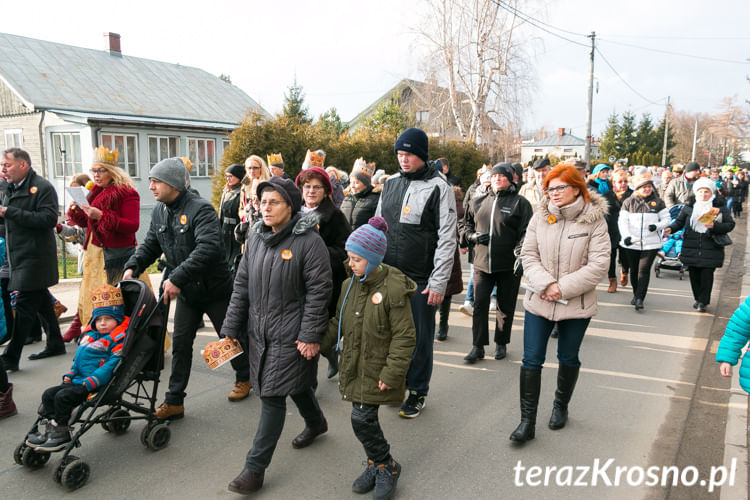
x=679 y=189
x=420 y=209
x=185 y=228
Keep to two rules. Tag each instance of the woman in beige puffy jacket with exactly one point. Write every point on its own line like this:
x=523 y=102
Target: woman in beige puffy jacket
x=565 y=254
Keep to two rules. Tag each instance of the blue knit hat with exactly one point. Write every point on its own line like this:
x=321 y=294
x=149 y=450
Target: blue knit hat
x=107 y=301
x=369 y=242
x=413 y=140
x=600 y=167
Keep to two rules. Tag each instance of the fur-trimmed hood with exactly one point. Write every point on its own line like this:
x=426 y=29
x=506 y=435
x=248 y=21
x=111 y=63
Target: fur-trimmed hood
x=586 y=213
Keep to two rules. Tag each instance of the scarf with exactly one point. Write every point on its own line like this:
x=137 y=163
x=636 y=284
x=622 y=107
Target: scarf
x=603 y=185
x=699 y=209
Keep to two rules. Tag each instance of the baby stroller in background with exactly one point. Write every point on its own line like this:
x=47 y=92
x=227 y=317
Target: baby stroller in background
x=672 y=246
x=141 y=362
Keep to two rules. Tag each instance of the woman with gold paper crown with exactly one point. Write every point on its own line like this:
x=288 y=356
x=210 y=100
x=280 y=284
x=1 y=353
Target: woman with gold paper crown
x=111 y=221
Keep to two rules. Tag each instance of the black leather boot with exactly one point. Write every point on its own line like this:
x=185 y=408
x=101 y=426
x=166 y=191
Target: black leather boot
x=445 y=309
x=247 y=482
x=477 y=352
x=530 y=382
x=566 y=382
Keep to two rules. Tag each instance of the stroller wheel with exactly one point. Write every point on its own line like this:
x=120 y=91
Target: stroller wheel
x=58 y=472
x=34 y=459
x=75 y=474
x=119 y=422
x=18 y=453
x=158 y=436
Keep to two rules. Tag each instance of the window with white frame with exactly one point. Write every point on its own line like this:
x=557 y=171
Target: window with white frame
x=127 y=146
x=161 y=147
x=225 y=145
x=66 y=152
x=13 y=138
x=202 y=153
x=422 y=116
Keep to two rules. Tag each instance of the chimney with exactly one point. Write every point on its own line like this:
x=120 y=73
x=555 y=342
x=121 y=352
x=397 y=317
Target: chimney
x=560 y=131
x=114 y=44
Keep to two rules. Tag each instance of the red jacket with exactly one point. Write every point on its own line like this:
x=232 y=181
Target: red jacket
x=120 y=206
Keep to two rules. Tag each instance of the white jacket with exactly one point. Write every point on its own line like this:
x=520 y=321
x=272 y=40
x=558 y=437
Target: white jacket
x=636 y=215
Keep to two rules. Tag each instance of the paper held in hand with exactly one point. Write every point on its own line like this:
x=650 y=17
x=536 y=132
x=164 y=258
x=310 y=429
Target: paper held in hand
x=79 y=194
x=534 y=290
x=709 y=216
x=219 y=352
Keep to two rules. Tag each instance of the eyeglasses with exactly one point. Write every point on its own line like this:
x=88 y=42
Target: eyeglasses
x=557 y=189
x=98 y=171
x=308 y=187
x=270 y=203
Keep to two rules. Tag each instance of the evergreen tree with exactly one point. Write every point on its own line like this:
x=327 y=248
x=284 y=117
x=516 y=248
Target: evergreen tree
x=648 y=141
x=388 y=118
x=331 y=124
x=609 y=137
x=670 y=144
x=627 y=138
x=295 y=109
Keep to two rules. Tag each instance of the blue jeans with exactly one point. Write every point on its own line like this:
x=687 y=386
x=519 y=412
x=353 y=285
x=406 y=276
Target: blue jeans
x=536 y=332
x=420 y=370
x=470 y=288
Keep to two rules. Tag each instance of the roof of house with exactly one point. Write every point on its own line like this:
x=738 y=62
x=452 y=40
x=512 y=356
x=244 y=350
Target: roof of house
x=557 y=140
x=53 y=76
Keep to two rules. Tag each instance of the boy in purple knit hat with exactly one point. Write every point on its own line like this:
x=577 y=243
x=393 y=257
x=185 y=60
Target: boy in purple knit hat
x=373 y=322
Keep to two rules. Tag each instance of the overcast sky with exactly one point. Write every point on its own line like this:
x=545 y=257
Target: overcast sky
x=346 y=54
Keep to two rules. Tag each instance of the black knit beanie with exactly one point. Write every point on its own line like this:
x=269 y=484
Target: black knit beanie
x=286 y=188
x=413 y=140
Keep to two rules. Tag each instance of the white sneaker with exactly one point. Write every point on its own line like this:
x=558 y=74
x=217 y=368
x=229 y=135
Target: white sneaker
x=493 y=303
x=467 y=308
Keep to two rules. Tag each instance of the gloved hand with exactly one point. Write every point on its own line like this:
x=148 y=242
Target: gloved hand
x=628 y=241
x=652 y=227
x=479 y=238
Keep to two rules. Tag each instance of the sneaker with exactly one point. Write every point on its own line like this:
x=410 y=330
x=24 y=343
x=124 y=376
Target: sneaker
x=58 y=436
x=493 y=303
x=386 y=477
x=366 y=481
x=467 y=308
x=167 y=411
x=413 y=406
x=240 y=391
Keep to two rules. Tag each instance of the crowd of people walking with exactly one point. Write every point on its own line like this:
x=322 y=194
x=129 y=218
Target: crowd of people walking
x=355 y=267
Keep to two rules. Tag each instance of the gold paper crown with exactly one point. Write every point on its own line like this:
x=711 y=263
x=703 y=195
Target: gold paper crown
x=313 y=159
x=106 y=296
x=361 y=166
x=103 y=156
x=275 y=160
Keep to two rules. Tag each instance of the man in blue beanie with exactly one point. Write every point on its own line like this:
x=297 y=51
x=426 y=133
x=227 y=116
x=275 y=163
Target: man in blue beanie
x=420 y=209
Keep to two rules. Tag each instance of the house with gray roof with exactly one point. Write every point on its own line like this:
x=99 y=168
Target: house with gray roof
x=562 y=145
x=59 y=102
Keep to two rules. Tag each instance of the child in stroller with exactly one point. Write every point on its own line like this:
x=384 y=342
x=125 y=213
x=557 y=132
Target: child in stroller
x=669 y=255
x=98 y=354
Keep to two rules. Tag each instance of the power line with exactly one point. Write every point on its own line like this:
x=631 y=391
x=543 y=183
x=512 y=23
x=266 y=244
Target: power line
x=517 y=12
x=623 y=80
x=535 y=22
x=705 y=58
x=680 y=37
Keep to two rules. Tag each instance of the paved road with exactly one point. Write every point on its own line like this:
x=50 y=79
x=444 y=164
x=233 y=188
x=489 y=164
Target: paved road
x=648 y=395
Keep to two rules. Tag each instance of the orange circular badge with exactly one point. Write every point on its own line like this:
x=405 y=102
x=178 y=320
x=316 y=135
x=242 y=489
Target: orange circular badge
x=377 y=298
x=286 y=254
x=551 y=219
x=407 y=209
x=183 y=219
x=33 y=190
x=653 y=203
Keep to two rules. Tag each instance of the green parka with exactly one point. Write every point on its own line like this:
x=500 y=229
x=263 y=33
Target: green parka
x=377 y=336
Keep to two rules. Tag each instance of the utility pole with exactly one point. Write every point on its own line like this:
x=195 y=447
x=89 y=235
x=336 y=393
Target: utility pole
x=589 y=106
x=666 y=135
x=695 y=140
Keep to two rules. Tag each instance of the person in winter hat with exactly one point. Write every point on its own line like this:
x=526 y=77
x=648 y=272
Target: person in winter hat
x=377 y=347
x=96 y=358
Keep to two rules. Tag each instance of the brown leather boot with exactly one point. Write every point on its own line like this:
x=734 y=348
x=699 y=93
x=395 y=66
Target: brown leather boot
x=166 y=411
x=73 y=331
x=59 y=308
x=247 y=482
x=612 y=285
x=7 y=406
x=240 y=391
x=623 y=278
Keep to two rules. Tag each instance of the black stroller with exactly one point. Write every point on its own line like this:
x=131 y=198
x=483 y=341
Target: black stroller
x=127 y=391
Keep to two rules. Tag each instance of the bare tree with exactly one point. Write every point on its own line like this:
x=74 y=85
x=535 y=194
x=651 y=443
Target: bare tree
x=730 y=124
x=481 y=57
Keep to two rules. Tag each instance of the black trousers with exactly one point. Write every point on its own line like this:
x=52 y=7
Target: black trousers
x=28 y=305
x=59 y=401
x=701 y=282
x=621 y=258
x=640 y=270
x=186 y=321
x=366 y=427
x=272 y=415
x=3 y=378
x=507 y=295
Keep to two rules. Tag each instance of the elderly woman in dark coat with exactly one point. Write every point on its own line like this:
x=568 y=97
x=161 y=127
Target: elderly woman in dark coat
x=704 y=216
x=283 y=312
x=316 y=189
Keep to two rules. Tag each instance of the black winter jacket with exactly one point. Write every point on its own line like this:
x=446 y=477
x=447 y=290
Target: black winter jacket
x=358 y=208
x=505 y=216
x=613 y=210
x=281 y=295
x=229 y=208
x=699 y=249
x=187 y=231
x=334 y=229
x=30 y=221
